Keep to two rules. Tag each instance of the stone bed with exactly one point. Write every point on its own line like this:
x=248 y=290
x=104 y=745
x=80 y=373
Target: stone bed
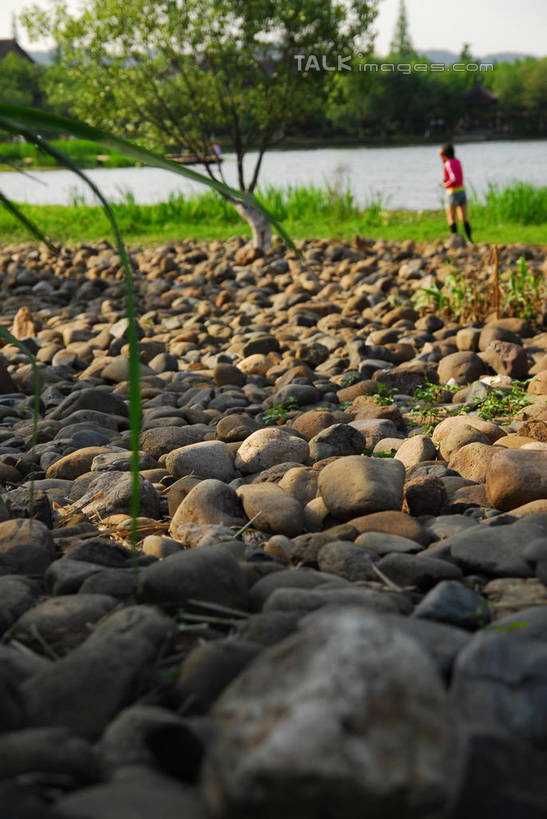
x=308 y=629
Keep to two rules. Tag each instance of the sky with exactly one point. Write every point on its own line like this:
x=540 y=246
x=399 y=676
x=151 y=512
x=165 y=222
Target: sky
x=488 y=25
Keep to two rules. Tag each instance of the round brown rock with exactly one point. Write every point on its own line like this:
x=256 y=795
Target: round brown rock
x=280 y=514
x=355 y=485
x=462 y=367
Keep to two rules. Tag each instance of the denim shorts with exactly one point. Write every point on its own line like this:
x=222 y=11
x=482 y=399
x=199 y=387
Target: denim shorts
x=457 y=198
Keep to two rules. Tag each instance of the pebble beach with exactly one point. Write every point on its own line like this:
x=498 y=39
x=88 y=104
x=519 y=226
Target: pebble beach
x=337 y=605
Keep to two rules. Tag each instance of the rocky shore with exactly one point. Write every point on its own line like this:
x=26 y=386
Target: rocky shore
x=338 y=603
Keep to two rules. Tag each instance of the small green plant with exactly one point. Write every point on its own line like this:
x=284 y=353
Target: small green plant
x=385 y=453
x=499 y=403
x=430 y=298
x=458 y=298
x=427 y=414
x=384 y=396
x=523 y=291
x=349 y=378
x=344 y=405
x=430 y=393
x=280 y=411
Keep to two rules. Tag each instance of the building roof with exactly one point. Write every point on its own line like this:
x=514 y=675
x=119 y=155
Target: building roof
x=12 y=47
x=479 y=95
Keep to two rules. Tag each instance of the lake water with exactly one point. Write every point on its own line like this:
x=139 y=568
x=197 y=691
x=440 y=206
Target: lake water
x=406 y=177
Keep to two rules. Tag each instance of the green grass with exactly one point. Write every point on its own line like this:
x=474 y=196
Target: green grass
x=521 y=202
x=83 y=152
x=309 y=212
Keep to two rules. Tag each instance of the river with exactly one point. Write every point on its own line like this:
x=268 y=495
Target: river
x=404 y=177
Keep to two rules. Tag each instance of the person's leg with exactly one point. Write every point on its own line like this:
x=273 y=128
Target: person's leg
x=462 y=213
x=451 y=217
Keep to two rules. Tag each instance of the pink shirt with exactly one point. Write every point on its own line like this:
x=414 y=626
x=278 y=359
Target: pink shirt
x=453 y=173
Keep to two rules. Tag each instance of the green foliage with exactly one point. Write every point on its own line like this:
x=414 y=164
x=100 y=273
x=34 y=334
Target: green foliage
x=19 y=81
x=522 y=293
x=280 y=412
x=177 y=73
x=344 y=405
x=499 y=403
x=520 y=202
x=349 y=378
x=430 y=393
x=207 y=216
x=384 y=396
x=386 y=453
x=458 y=298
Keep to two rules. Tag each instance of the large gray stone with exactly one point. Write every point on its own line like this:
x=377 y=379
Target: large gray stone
x=453 y=603
x=136 y=792
x=150 y=735
x=48 y=751
x=17 y=594
x=209 y=573
x=495 y=551
x=346 y=716
x=62 y=622
x=337 y=440
x=500 y=683
x=85 y=689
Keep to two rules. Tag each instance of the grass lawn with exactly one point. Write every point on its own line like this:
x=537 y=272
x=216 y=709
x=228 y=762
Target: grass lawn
x=510 y=216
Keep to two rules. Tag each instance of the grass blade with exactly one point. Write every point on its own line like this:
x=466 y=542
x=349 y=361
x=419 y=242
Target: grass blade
x=28 y=223
x=134 y=370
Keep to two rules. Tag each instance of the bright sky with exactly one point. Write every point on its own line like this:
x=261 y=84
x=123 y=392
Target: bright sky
x=489 y=26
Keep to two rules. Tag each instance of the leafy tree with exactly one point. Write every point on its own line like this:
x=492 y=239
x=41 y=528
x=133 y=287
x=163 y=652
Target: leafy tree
x=19 y=81
x=175 y=73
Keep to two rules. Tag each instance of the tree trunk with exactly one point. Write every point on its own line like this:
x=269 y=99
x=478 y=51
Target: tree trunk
x=261 y=228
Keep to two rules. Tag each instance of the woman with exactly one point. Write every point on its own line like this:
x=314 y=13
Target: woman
x=456 y=200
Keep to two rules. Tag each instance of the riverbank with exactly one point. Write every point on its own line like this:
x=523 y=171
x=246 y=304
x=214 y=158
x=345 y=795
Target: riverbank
x=338 y=594
x=513 y=214
x=88 y=155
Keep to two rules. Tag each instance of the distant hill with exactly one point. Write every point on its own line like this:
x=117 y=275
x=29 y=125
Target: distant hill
x=438 y=55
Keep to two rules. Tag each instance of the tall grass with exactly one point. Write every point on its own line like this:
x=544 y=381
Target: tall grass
x=520 y=203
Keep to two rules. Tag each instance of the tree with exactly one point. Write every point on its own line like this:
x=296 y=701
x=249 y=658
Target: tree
x=175 y=73
x=401 y=45
x=19 y=81
x=465 y=53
